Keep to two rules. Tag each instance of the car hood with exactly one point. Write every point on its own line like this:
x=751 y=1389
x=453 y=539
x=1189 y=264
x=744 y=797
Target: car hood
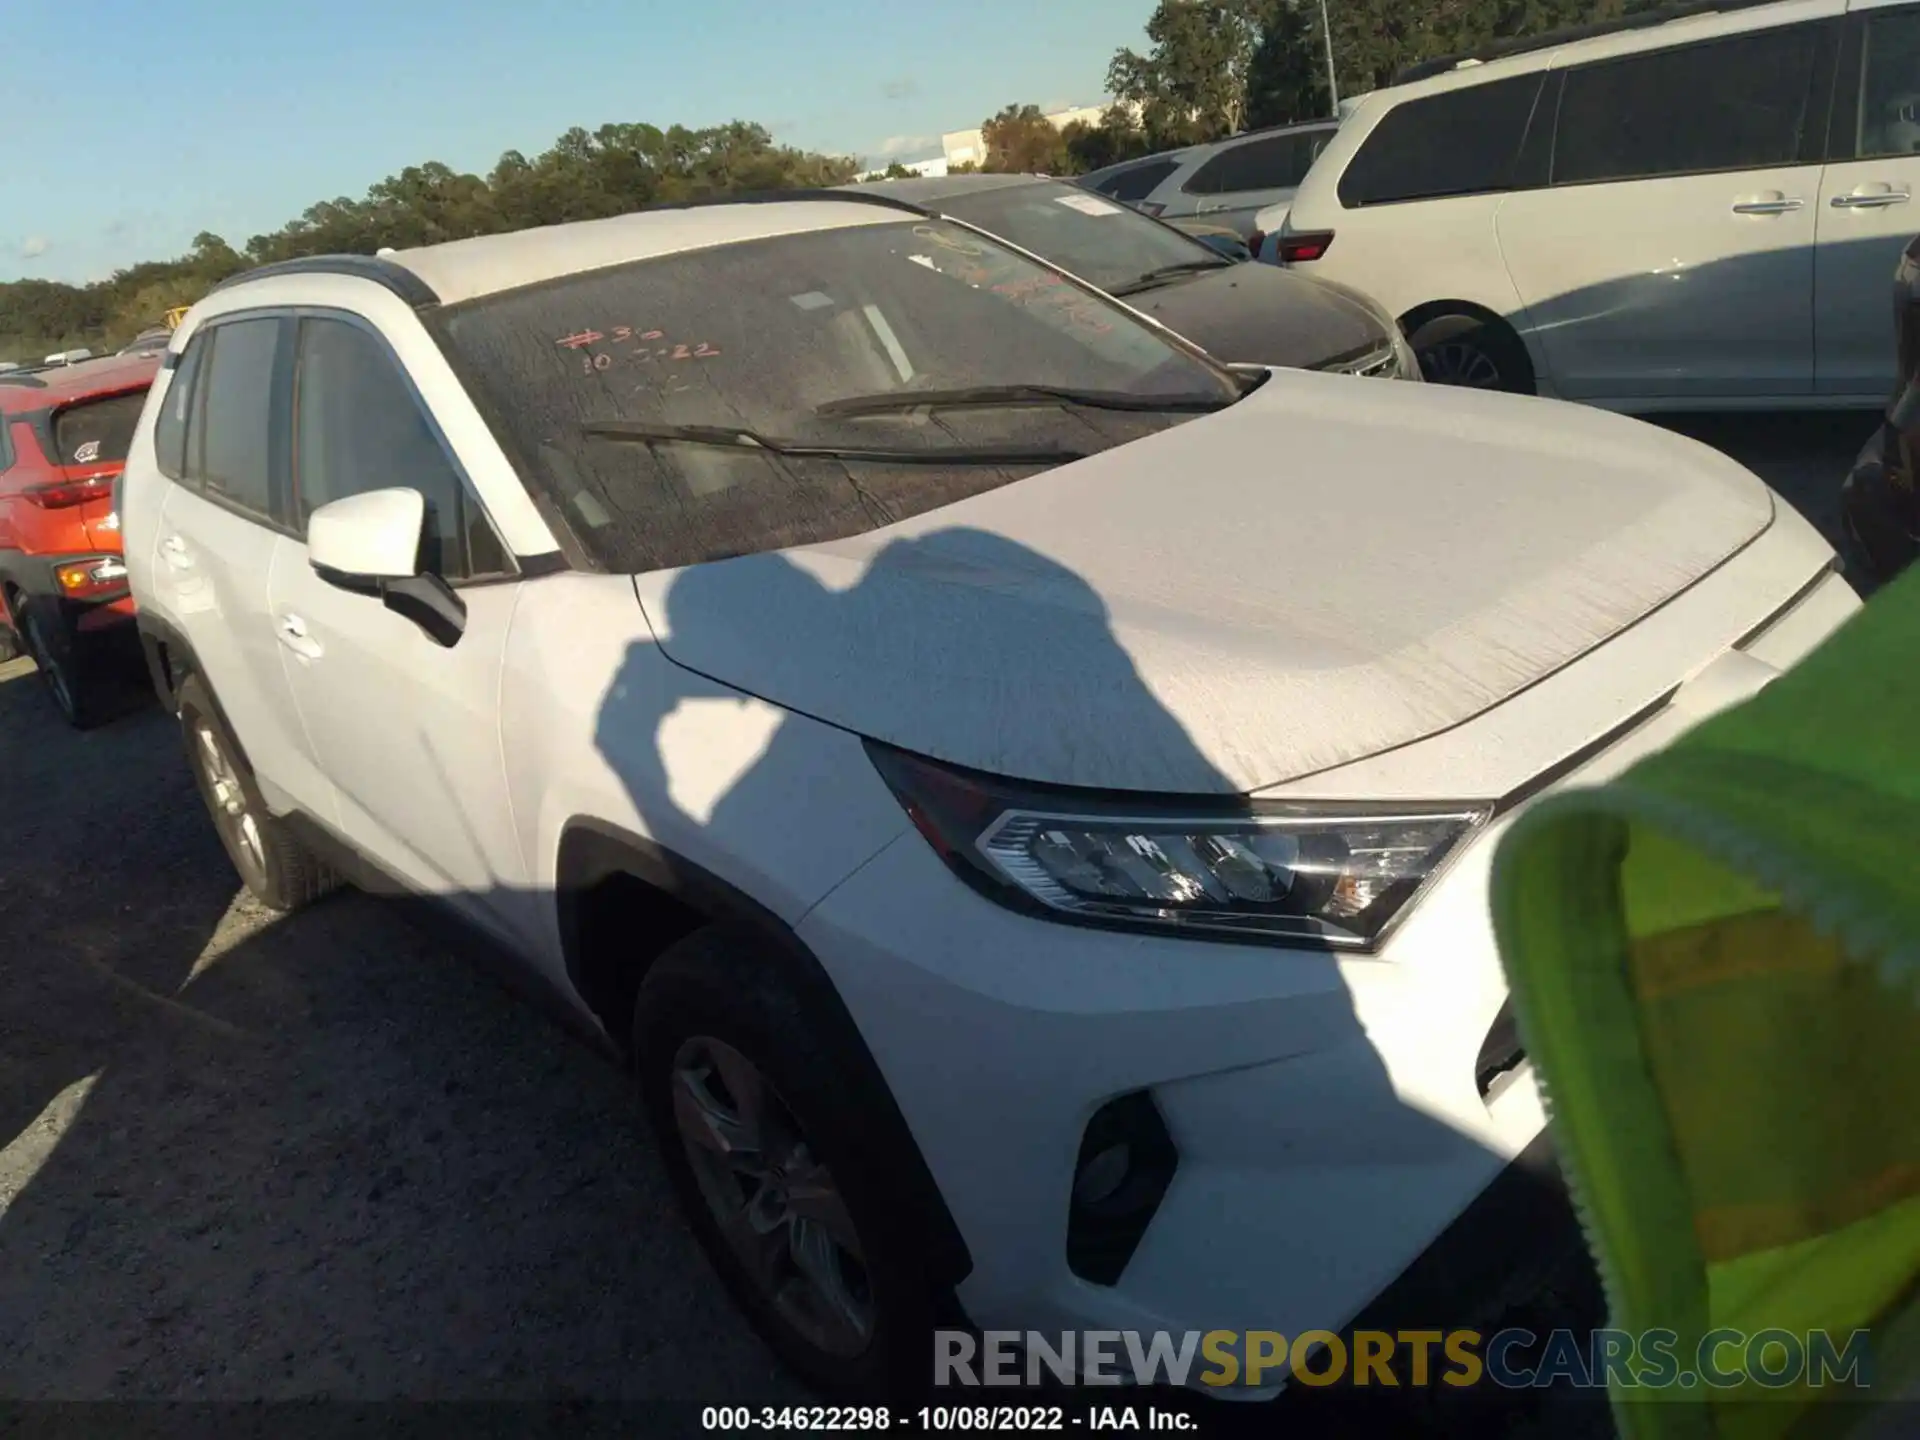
x=1262 y=315
x=1328 y=569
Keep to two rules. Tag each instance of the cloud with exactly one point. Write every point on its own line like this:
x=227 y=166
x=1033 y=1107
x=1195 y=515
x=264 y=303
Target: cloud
x=33 y=247
x=895 y=145
x=904 y=88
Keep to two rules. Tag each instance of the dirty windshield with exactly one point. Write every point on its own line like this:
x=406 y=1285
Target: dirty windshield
x=1102 y=241
x=808 y=387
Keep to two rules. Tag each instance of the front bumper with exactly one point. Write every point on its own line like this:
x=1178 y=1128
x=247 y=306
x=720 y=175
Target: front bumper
x=1333 y=1116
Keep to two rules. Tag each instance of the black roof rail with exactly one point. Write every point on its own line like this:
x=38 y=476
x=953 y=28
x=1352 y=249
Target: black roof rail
x=1553 y=39
x=397 y=278
x=1320 y=123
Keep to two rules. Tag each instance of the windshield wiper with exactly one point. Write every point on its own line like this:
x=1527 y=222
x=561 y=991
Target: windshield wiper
x=984 y=396
x=739 y=437
x=1169 y=272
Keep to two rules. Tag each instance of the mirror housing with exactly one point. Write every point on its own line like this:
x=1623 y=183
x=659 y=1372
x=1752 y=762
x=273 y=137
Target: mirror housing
x=374 y=536
x=370 y=544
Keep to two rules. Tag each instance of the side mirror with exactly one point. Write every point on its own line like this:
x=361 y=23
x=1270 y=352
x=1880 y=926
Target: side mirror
x=370 y=544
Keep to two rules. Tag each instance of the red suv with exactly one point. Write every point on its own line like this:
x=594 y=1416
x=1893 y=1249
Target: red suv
x=64 y=434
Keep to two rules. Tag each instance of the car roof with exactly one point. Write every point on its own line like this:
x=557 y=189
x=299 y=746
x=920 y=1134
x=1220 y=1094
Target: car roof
x=469 y=269
x=1581 y=40
x=64 y=384
x=923 y=189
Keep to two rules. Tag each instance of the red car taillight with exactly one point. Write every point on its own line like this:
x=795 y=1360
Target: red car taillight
x=64 y=494
x=1256 y=240
x=92 y=579
x=1308 y=245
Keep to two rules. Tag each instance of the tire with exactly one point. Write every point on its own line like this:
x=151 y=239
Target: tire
x=279 y=871
x=1471 y=353
x=718 y=994
x=67 y=670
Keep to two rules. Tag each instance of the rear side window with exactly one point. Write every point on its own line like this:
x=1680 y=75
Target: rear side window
x=1460 y=142
x=1734 y=104
x=1275 y=163
x=170 y=427
x=97 y=432
x=1139 y=182
x=230 y=433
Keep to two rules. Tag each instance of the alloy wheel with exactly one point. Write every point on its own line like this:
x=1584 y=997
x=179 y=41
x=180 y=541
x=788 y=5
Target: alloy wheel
x=231 y=812
x=1457 y=362
x=775 y=1203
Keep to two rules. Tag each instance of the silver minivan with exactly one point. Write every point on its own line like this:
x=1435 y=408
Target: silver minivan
x=1227 y=182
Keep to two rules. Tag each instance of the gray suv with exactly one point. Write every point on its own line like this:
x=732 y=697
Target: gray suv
x=1228 y=182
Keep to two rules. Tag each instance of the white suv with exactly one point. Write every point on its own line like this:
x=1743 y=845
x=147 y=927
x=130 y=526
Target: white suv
x=1705 y=212
x=1031 y=840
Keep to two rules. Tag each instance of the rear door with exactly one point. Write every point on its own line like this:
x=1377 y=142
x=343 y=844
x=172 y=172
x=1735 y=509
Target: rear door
x=223 y=441
x=1867 y=211
x=1247 y=176
x=1670 y=255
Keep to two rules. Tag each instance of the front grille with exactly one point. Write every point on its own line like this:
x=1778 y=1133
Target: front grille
x=1378 y=364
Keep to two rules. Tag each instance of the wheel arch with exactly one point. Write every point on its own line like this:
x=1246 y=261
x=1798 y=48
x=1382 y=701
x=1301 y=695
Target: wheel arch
x=608 y=879
x=1472 y=311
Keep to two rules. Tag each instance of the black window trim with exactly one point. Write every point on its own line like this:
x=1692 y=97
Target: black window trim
x=1824 y=33
x=1831 y=33
x=6 y=442
x=515 y=570
x=277 y=430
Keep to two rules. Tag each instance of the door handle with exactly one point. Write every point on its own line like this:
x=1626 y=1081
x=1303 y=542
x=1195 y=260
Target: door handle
x=293 y=635
x=1768 y=207
x=1873 y=200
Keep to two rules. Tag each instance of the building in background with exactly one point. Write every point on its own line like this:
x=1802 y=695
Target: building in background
x=969 y=147
x=927 y=169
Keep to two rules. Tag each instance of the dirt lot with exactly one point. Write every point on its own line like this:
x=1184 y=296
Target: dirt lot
x=246 y=1160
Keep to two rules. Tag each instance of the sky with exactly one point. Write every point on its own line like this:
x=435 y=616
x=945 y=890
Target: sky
x=215 y=115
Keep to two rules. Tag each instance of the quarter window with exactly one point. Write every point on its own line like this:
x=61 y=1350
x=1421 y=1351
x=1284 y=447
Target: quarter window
x=1139 y=182
x=1734 y=104
x=170 y=426
x=358 y=427
x=1459 y=142
x=1277 y=162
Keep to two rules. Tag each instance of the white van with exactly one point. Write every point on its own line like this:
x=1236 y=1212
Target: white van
x=1701 y=210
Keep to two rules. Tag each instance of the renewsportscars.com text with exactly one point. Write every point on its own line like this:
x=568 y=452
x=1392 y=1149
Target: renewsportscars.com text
x=1512 y=1359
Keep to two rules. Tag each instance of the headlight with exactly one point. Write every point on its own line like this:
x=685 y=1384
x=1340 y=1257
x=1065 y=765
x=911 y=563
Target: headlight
x=1406 y=362
x=1318 y=875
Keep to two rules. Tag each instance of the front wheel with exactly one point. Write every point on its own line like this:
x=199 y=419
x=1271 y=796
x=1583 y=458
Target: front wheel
x=771 y=1145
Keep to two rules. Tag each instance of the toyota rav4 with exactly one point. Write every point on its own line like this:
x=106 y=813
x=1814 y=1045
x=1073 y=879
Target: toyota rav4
x=1020 y=792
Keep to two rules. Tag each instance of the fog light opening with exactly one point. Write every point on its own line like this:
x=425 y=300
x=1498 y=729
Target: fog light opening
x=1126 y=1163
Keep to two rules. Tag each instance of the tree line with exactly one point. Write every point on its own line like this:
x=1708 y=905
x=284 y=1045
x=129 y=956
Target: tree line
x=584 y=175
x=1211 y=68
x=1216 y=67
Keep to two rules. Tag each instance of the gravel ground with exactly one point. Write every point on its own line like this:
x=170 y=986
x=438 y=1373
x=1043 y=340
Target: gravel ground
x=245 y=1160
